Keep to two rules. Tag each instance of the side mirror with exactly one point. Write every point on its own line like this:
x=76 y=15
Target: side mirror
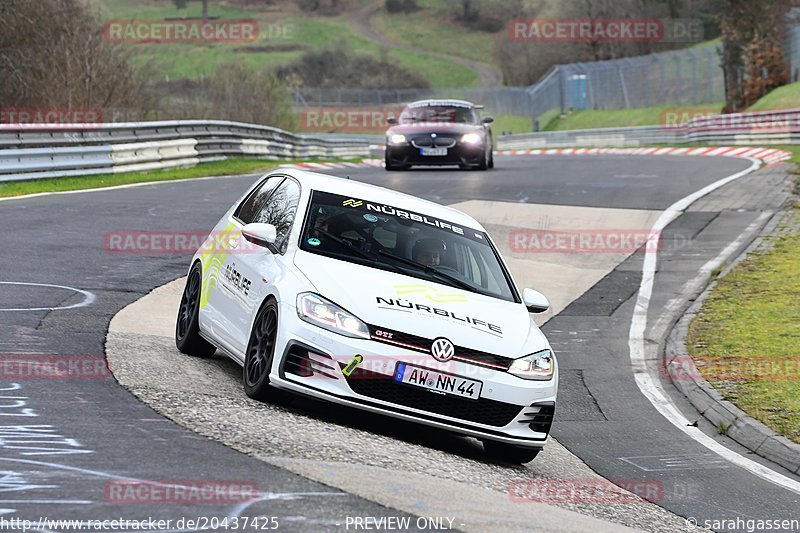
x=391 y=120
x=261 y=234
x=488 y=120
x=535 y=301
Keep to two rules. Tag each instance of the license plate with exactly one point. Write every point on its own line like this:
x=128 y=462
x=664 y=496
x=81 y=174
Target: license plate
x=433 y=151
x=437 y=381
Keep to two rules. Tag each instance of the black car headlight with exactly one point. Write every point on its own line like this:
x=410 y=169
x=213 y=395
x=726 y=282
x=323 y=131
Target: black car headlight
x=396 y=138
x=471 y=138
x=539 y=366
x=316 y=310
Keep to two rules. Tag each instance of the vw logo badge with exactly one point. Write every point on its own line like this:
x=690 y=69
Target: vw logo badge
x=442 y=349
x=433 y=135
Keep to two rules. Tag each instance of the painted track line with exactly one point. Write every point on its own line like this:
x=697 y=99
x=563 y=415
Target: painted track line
x=770 y=156
x=649 y=386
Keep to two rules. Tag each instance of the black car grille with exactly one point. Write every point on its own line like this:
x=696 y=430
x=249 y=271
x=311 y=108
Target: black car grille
x=480 y=411
x=421 y=344
x=428 y=141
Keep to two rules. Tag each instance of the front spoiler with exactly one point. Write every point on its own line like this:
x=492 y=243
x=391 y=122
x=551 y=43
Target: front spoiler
x=396 y=412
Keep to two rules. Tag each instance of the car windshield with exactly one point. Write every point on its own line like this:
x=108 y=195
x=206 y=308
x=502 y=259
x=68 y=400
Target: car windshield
x=445 y=114
x=418 y=245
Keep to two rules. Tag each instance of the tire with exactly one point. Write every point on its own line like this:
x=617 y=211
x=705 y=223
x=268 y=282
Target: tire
x=187 y=326
x=390 y=166
x=261 y=353
x=508 y=453
x=483 y=162
x=491 y=159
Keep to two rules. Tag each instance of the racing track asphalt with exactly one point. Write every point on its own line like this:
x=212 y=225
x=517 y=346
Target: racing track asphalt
x=602 y=417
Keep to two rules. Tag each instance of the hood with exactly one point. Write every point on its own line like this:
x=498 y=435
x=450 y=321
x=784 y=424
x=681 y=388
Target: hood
x=426 y=128
x=411 y=305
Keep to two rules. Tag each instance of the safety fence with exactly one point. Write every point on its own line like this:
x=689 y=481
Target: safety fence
x=688 y=76
x=32 y=151
x=761 y=128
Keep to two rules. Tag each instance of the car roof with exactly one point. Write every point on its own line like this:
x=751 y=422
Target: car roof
x=443 y=102
x=381 y=195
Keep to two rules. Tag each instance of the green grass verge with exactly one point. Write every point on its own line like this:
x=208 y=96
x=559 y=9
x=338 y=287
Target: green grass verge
x=433 y=28
x=614 y=118
x=746 y=338
x=231 y=166
x=786 y=97
x=511 y=123
x=279 y=28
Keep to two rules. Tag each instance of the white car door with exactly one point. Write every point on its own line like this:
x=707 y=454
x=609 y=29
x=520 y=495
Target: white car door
x=250 y=271
x=223 y=287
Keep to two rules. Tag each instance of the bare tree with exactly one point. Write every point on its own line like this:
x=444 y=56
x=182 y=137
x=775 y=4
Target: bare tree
x=752 y=58
x=53 y=54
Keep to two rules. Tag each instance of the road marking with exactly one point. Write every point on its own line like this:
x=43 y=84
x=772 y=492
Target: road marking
x=126 y=186
x=636 y=343
x=657 y=463
x=88 y=297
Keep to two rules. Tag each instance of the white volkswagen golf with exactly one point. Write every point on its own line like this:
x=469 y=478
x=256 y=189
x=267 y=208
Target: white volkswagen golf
x=374 y=299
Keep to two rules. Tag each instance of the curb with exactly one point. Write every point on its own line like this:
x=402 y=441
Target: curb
x=736 y=424
x=769 y=156
x=327 y=166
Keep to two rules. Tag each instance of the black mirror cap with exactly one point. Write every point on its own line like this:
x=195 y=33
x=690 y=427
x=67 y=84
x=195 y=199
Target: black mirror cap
x=488 y=120
x=391 y=120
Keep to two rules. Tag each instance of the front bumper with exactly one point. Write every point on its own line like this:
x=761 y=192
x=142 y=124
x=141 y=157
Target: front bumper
x=510 y=409
x=460 y=154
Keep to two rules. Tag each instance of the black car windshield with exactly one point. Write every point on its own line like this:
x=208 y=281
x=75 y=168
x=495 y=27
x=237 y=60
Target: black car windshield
x=439 y=114
x=418 y=245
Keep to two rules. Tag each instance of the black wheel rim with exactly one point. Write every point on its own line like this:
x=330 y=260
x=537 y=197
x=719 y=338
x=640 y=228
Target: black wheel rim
x=189 y=301
x=262 y=346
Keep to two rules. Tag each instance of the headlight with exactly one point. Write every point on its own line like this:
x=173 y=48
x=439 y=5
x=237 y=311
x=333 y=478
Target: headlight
x=397 y=138
x=539 y=366
x=471 y=138
x=319 y=311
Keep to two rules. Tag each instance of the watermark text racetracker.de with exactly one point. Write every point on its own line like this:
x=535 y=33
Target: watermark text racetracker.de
x=184 y=31
x=544 y=490
x=50 y=117
x=682 y=119
x=191 y=492
x=157 y=242
x=598 y=30
x=584 y=241
x=754 y=367
x=49 y=366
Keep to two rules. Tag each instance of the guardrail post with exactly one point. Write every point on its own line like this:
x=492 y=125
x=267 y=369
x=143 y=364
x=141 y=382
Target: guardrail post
x=624 y=87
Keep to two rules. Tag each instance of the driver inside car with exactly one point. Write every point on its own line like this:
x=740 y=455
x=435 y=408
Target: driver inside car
x=428 y=252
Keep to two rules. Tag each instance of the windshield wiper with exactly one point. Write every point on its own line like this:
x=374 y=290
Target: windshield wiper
x=427 y=268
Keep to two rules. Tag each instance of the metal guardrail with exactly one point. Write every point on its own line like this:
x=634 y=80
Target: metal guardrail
x=33 y=151
x=768 y=127
x=44 y=151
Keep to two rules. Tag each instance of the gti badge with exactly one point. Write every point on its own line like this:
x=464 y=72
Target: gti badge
x=442 y=349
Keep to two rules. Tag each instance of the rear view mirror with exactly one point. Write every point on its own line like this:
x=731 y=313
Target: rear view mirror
x=261 y=234
x=391 y=120
x=488 y=120
x=535 y=301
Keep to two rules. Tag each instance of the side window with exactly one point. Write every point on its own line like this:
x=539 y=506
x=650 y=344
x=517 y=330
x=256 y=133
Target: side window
x=248 y=209
x=280 y=210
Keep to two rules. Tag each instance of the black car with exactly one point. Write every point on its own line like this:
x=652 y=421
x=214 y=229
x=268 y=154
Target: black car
x=439 y=132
